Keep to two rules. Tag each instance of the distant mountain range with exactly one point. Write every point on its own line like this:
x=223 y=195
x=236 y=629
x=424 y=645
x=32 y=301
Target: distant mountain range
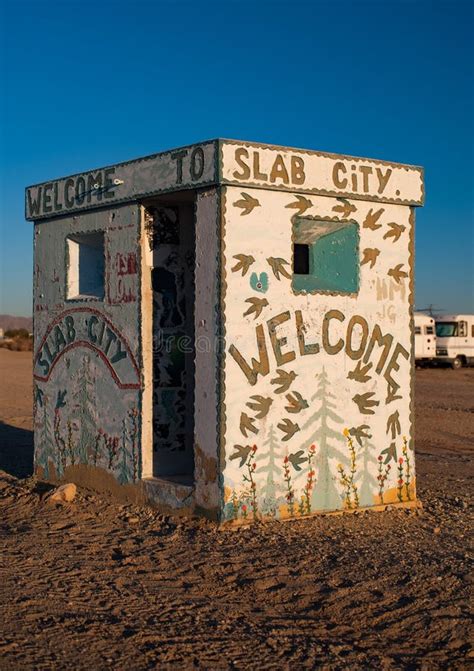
x=12 y=322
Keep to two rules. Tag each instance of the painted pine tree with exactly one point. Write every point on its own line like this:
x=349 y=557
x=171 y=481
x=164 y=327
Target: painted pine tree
x=84 y=409
x=46 y=436
x=269 y=489
x=325 y=495
x=124 y=474
x=368 y=488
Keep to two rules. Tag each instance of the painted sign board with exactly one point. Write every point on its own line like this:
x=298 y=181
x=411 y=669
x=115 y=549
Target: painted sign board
x=228 y=162
x=286 y=169
x=174 y=170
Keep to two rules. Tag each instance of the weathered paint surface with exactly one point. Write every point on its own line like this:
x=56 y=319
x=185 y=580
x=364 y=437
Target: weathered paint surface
x=173 y=328
x=186 y=167
x=317 y=395
x=303 y=171
x=302 y=394
x=87 y=356
x=229 y=162
x=207 y=315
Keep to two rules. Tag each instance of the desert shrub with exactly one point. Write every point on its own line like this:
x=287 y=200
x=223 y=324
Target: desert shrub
x=16 y=333
x=18 y=344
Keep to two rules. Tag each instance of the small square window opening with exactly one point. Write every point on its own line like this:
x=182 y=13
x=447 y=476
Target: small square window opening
x=325 y=256
x=85 y=266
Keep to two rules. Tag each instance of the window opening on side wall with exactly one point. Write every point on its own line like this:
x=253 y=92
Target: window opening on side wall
x=85 y=266
x=325 y=256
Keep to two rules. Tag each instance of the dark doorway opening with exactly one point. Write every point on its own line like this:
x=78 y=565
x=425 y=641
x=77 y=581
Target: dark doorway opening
x=173 y=337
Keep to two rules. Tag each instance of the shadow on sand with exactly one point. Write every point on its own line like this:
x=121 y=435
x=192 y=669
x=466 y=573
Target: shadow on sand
x=16 y=451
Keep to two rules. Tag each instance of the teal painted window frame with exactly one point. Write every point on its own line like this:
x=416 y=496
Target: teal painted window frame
x=334 y=259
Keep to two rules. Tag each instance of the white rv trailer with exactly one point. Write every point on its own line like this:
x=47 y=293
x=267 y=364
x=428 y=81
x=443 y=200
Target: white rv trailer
x=425 y=338
x=455 y=340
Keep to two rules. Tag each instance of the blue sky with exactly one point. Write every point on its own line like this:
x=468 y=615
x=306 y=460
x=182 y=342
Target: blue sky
x=89 y=84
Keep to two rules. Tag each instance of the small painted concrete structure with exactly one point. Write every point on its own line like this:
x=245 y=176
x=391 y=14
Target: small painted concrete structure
x=227 y=329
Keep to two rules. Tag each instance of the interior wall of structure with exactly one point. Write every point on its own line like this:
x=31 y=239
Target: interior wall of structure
x=172 y=277
x=87 y=355
x=316 y=409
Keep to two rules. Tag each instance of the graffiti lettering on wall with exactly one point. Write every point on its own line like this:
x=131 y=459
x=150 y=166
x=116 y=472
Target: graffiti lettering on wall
x=123 y=273
x=67 y=426
x=290 y=169
x=276 y=168
x=81 y=415
x=365 y=350
x=84 y=327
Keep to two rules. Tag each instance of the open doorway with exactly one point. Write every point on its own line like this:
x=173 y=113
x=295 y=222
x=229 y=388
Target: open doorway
x=173 y=336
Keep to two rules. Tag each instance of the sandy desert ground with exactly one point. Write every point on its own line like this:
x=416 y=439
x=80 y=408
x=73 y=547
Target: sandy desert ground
x=98 y=585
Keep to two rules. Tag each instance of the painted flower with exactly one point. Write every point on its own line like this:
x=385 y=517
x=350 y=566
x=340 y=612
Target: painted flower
x=400 y=461
x=346 y=433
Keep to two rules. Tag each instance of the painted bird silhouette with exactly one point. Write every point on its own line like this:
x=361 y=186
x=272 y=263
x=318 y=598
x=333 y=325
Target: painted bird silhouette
x=370 y=256
x=276 y=264
x=39 y=393
x=288 y=427
x=345 y=208
x=390 y=453
x=246 y=424
x=256 y=306
x=360 y=432
x=60 y=399
x=247 y=203
x=296 y=402
x=393 y=424
x=284 y=379
x=359 y=374
x=372 y=218
x=296 y=459
x=301 y=204
x=244 y=261
x=397 y=273
x=392 y=393
x=261 y=405
x=241 y=452
x=365 y=402
x=395 y=231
